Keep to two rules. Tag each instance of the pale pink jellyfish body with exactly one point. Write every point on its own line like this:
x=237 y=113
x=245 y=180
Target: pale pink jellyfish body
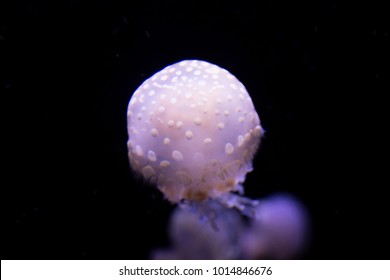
x=193 y=132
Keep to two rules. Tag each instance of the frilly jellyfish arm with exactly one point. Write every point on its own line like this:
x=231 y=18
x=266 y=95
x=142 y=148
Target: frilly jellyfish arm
x=193 y=132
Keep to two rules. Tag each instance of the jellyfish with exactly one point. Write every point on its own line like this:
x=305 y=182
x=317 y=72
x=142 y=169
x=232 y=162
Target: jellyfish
x=191 y=239
x=193 y=132
x=278 y=230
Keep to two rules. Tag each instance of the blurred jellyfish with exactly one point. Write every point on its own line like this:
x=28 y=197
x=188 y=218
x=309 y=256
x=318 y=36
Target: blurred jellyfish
x=280 y=230
x=193 y=132
x=194 y=239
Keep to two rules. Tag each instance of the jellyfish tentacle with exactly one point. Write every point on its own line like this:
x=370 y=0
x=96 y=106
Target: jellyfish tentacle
x=246 y=206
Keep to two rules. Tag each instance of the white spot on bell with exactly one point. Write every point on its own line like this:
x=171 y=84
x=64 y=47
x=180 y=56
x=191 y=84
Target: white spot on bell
x=176 y=155
x=164 y=164
x=189 y=134
x=152 y=156
x=179 y=124
x=220 y=125
x=138 y=151
x=154 y=132
x=240 y=140
x=229 y=149
x=198 y=121
x=148 y=172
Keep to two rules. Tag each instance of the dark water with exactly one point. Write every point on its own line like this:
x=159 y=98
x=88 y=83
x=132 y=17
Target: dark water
x=316 y=73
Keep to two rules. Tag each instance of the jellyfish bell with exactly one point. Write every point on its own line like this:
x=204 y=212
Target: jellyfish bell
x=193 y=132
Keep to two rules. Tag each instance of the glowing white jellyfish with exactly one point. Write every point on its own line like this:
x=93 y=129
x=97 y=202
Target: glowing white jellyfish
x=193 y=131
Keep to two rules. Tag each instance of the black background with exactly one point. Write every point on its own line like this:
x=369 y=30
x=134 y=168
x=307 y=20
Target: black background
x=317 y=76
